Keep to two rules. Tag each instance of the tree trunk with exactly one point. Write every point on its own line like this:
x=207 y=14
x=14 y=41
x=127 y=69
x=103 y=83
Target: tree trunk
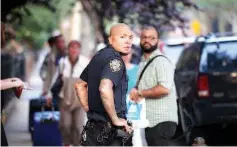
x=96 y=20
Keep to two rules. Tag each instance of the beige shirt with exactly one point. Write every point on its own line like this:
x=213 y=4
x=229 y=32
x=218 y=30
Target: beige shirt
x=159 y=72
x=70 y=75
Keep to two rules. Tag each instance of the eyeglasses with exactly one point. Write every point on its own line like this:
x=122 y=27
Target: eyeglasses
x=149 y=38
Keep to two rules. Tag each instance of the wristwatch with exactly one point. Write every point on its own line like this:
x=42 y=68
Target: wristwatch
x=139 y=92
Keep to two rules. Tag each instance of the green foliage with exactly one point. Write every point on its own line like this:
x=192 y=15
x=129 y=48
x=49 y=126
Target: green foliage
x=62 y=7
x=36 y=26
x=34 y=23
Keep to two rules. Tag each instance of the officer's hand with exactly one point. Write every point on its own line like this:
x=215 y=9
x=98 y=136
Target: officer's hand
x=122 y=122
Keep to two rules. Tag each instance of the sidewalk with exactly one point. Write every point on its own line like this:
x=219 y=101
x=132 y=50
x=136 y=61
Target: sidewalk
x=17 y=125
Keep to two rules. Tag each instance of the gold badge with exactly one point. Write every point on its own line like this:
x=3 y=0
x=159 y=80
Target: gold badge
x=115 y=65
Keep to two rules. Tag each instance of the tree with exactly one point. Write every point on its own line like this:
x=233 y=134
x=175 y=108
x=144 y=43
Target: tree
x=33 y=27
x=163 y=14
x=34 y=20
x=160 y=13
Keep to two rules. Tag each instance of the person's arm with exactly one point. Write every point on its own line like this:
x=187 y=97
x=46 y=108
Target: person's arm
x=81 y=88
x=155 y=92
x=50 y=73
x=82 y=93
x=10 y=83
x=107 y=96
x=165 y=77
x=110 y=78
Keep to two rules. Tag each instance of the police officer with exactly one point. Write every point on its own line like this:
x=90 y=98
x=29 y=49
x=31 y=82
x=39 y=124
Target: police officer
x=102 y=90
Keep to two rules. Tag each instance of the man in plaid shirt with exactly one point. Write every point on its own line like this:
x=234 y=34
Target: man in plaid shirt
x=157 y=87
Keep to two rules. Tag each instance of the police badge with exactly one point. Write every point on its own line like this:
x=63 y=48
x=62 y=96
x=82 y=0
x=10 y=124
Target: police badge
x=115 y=65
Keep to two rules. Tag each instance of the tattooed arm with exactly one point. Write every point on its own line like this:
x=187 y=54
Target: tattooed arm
x=82 y=93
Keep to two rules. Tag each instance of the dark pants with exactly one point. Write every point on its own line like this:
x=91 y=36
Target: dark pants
x=3 y=137
x=161 y=134
x=100 y=134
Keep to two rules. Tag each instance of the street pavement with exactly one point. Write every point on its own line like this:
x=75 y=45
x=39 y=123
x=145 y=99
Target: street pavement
x=17 y=125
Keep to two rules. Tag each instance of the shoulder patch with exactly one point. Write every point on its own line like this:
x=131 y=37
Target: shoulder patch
x=115 y=65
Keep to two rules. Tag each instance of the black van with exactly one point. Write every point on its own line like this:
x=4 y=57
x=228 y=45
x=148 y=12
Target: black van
x=206 y=82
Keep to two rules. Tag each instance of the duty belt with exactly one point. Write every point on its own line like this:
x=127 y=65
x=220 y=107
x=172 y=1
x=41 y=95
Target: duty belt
x=109 y=130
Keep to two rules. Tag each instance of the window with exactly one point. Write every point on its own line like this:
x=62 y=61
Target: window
x=222 y=59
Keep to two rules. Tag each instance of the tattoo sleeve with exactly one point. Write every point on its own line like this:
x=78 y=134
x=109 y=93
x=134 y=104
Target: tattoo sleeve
x=107 y=96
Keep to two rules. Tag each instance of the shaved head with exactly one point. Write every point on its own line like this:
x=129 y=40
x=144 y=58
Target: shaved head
x=117 y=28
x=120 y=38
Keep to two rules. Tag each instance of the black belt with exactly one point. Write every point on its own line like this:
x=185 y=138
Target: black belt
x=93 y=121
x=103 y=116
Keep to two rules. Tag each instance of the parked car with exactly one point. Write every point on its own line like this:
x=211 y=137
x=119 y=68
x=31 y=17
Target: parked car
x=206 y=82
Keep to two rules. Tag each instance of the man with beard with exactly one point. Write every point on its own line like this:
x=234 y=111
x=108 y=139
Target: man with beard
x=156 y=85
x=102 y=90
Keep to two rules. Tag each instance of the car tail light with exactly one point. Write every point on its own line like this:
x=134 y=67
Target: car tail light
x=203 y=86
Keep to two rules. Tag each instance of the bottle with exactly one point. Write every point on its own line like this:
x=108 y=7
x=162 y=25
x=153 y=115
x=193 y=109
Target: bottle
x=199 y=141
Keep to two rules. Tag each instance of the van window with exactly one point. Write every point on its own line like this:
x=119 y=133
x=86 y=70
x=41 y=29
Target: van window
x=222 y=59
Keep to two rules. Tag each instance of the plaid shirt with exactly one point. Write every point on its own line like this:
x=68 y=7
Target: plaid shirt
x=159 y=72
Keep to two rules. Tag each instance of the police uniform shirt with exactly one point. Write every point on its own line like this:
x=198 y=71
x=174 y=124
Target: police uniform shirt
x=106 y=64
